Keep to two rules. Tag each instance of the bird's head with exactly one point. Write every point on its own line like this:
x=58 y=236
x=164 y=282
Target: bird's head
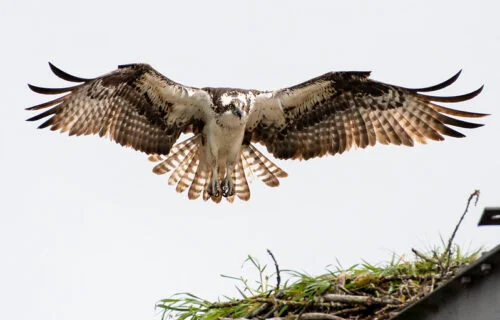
x=235 y=104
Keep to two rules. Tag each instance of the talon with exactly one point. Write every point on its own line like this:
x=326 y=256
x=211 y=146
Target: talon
x=227 y=188
x=213 y=189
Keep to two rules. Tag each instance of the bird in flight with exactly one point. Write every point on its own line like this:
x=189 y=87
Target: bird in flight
x=138 y=107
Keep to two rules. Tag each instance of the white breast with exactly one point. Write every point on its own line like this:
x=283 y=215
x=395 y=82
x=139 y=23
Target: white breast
x=223 y=142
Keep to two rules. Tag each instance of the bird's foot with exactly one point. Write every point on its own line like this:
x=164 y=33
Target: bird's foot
x=213 y=188
x=227 y=187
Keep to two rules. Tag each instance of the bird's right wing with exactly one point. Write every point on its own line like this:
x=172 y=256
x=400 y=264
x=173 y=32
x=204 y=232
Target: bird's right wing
x=134 y=105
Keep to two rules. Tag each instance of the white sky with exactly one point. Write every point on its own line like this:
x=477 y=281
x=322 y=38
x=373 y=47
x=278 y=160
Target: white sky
x=88 y=232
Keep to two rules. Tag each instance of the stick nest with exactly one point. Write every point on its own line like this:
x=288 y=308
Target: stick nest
x=361 y=292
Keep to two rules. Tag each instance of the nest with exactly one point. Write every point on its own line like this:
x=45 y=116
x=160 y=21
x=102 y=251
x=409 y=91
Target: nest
x=361 y=292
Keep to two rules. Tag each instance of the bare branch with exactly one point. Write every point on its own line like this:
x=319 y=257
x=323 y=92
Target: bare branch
x=365 y=300
x=319 y=316
x=349 y=310
x=278 y=277
x=450 y=241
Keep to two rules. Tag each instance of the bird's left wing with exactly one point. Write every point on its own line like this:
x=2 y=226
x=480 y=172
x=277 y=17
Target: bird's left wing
x=134 y=105
x=331 y=113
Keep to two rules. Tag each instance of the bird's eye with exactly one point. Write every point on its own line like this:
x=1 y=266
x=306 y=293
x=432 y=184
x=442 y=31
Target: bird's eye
x=231 y=106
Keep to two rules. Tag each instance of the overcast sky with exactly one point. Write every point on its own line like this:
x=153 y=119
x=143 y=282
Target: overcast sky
x=87 y=231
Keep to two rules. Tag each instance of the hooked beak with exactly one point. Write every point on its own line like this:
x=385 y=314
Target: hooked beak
x=237 y=112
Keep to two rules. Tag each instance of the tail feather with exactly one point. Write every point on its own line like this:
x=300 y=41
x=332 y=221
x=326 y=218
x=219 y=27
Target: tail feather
x=198 y=184
x=178 y=153
x=190 y=173
x=241 y=185
x=180 y=170
x=249 y=175
x=206 y=196
x=183 y=161
x=155 y=157
x=274 y=169
x=259 y=168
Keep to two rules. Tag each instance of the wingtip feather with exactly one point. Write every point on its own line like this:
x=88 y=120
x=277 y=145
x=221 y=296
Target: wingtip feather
x=50 y=90
x=439 y=86
x=459 y=98
x=46 y=104
x=66 y=76
x=458 y=113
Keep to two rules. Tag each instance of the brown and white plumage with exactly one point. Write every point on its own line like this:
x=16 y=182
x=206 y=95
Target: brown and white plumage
x=138 y=107
x=338 y=110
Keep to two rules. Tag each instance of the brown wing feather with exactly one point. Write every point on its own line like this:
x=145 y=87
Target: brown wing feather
x=331 y=113
x=134 y=105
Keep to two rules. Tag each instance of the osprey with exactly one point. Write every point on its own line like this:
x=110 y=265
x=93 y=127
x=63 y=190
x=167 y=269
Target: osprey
x=138 y=107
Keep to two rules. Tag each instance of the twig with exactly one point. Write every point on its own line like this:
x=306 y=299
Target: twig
x=278 y=277
x=349 y=310
x=269 y=313
x=319 y=316
x=387 y=307
x=269 y=301
x=325 y=301
x=433 y=283
x=365 y=300
x=424 y=257
x=305 y=316
x=279 y=302
x=342 y=288
x=450 y=241
x=259 y=310
x=224 y=304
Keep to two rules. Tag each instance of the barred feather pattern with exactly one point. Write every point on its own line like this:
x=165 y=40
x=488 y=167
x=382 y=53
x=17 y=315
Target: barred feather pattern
x=138 y=107
x=340 y=110
x=183 y=161
x=241 y=183
x=188 y=176
x=200 y=180
x=177 y=153
x=124 y=105
x=181 y=169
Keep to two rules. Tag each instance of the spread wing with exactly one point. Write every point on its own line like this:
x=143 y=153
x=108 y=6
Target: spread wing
x=331 y=113
x=134 y=105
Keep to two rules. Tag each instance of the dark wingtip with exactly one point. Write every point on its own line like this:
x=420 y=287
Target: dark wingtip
x=33 y=88
x=439 y=86
x=50 y=90
x=480 y=89
x=44 y=114
x=66 y=76
x=47 y=104
x=459 y=98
